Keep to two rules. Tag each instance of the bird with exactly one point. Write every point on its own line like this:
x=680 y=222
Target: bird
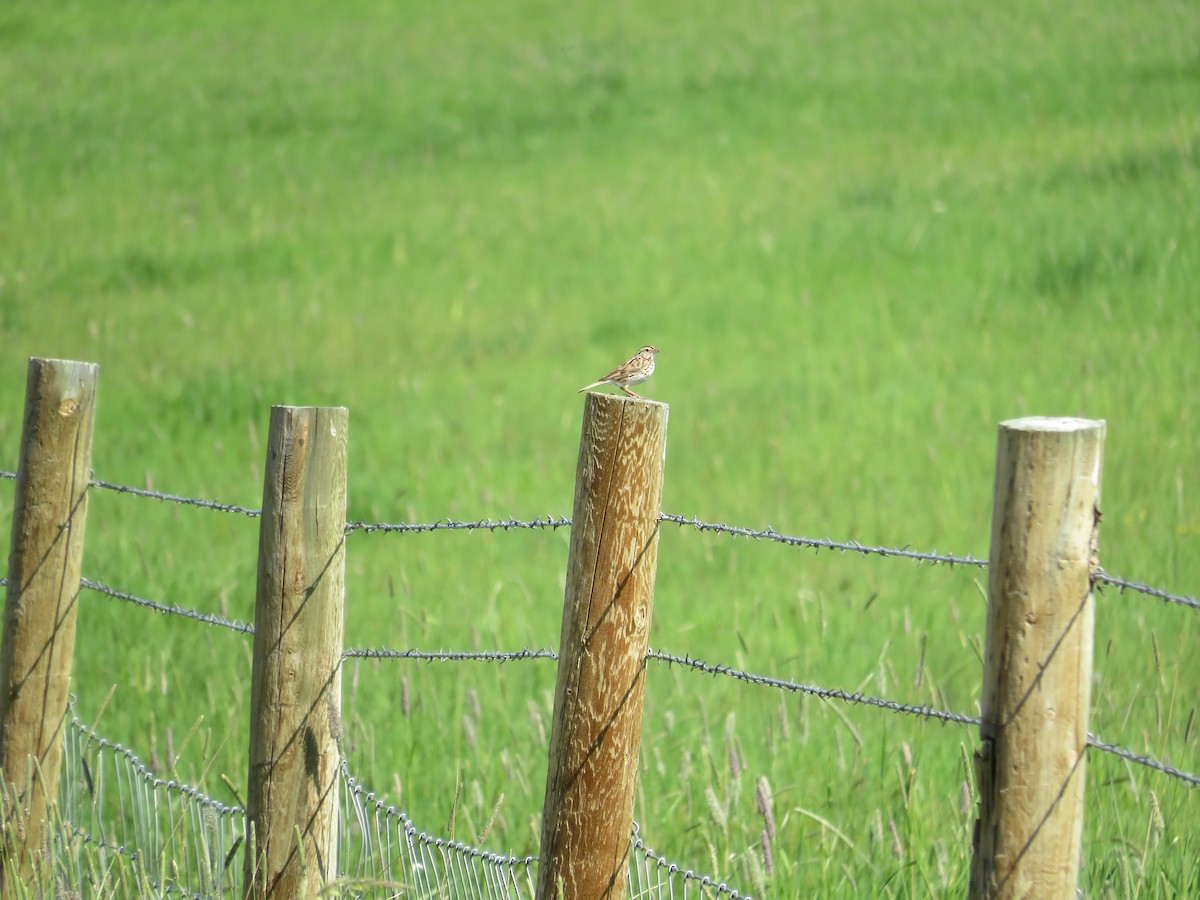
x=639 y=367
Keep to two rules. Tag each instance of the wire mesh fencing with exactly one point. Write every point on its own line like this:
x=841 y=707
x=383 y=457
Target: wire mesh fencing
x=119 y=817
x=117 y=820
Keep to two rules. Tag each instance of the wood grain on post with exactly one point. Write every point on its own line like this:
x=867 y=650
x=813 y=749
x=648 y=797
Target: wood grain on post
x=295 y=697
x=1038 y=659
x=49 y=517
x=592 y=775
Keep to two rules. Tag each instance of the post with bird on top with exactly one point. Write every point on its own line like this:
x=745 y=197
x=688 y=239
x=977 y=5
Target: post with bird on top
x=592 y=775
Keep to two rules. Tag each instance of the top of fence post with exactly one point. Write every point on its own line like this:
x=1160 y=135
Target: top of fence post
x=592 y=773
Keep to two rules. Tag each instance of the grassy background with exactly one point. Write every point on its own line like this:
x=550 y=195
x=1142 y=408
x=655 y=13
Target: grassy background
x=862 y=234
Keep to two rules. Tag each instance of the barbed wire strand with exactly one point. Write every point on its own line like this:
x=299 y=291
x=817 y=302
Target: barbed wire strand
x=1122 y=585
x=795 y=687
x=658 y=655
x=670 y=659
x=1147 y=761
x=555 y=522
x=175 y=498
x=449 y=655
x=165 y=609
x=770 y=534
x=922 y=711
x=551 y=522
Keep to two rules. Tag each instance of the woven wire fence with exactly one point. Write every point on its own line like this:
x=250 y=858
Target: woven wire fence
x=116 y=816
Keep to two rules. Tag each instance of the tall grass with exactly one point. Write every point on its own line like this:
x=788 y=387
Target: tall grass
x=861 y=234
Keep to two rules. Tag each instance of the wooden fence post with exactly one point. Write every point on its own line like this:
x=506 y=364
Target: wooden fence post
x=1038 y=659
x=49 y=518
x=295 y=695
x=592 y=775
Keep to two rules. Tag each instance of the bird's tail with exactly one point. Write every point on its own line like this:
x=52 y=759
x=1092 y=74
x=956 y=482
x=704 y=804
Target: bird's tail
x=590 y=386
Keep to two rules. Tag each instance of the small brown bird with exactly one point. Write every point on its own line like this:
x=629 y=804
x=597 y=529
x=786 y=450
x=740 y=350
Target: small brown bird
x=638 y=369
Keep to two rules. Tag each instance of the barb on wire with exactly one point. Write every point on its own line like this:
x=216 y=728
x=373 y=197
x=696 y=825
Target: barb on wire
x=206 y=618
x=449 y=655
x=824 y=693
x=1147 y=761
x=771 y=534
x=8 y=476
x=551 y=522
x=175 y=498
x=1123 y=585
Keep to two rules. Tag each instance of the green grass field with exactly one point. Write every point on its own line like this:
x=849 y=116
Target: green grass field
x=861 y=234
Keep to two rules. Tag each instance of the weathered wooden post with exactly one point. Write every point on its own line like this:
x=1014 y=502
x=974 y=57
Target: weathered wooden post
x=295 y=695
x=588 y=813
x=1038 y=660
x=49 y=518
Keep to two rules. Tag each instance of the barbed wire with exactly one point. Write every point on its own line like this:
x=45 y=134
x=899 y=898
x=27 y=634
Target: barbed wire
x=1122 y=585
x=892 y=705
x=670 y=659
x=165 y=609
x=551 y=522
x=698 y=665
x=1147 y=761
x=449 y=655
x=175 y=498
x=795 y=687
x=555 y=522
x=770 y=534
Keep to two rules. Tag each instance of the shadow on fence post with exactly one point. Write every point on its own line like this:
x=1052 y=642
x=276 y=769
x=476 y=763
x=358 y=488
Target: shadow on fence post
x=592 y=775
x=295 y=698
x=49 y=517
x=1038 y=659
